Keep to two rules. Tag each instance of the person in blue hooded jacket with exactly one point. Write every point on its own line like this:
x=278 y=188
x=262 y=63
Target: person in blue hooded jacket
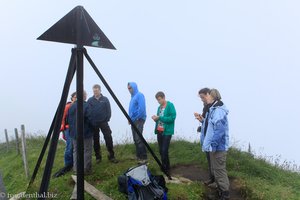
x=215 y=140
x=137 y=113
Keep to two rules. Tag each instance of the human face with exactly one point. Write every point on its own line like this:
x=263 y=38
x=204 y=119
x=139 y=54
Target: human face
x=203 y=98
x=130 y=89
x=96 y=92
x=84 y=95
x=209 y=99
x=161 y=101
x=73 y=99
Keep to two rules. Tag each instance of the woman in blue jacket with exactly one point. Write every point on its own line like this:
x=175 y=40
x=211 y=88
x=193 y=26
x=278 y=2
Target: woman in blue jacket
x=216 y=140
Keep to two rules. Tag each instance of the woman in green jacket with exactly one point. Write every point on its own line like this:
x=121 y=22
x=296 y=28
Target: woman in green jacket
x=164 y=127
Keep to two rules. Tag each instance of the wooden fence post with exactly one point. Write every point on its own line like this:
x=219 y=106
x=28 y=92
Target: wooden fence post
x=7 y=141
x=24 y=151
x=17 y=141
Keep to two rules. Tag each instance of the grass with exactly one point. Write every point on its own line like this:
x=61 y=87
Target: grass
x=256 y=177
x=260 y=180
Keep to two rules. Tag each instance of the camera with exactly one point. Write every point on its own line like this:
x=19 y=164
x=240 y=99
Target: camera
x=199 y=129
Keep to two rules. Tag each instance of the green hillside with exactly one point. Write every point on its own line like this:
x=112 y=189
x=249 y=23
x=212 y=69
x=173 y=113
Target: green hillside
x=251 y=178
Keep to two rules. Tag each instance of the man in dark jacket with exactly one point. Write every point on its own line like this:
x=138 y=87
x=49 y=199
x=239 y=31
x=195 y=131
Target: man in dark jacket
x=100 y=116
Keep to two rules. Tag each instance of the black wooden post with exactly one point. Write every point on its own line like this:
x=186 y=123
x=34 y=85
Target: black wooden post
x=80 y=124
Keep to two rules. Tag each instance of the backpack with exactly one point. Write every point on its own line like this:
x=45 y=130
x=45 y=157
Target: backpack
x=139 y=184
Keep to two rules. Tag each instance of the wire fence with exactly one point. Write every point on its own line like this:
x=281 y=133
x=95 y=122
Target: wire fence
x=17 y=144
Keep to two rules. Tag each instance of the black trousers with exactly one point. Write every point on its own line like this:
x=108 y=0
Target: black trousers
x=163 y=144
x=106 y=131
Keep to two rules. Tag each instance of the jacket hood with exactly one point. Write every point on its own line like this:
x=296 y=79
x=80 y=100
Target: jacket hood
x=134 y=87
x=221 y=105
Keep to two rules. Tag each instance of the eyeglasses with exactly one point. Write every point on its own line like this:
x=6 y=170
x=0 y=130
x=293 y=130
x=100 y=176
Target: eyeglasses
x=129 y=88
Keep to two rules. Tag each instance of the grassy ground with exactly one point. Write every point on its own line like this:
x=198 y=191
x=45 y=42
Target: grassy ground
x=260 y=180
x=256 y=178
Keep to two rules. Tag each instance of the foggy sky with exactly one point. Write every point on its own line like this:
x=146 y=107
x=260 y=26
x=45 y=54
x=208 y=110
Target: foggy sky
x=248 y=50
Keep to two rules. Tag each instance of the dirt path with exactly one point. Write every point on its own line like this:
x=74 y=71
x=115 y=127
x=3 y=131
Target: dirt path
x=195 y=173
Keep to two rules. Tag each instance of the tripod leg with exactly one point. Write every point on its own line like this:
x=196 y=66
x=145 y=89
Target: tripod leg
x=57 y=123
x=38 y=164
x=125 y=113
x=80 y=124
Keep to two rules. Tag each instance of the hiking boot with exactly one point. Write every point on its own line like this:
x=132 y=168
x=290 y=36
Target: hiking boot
x=62 y=171
x=112 y=159
x=87 y=172
x=169 y=172
x=211 y=196
x=58 y=173
x=98 y=159
x=224 y=195
x=208 y=182
x=68 y=168
x=213 y=185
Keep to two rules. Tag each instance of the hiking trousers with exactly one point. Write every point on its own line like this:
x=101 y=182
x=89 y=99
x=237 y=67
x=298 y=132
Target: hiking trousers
x=88 y=150
x=218 y=164
x=163 y=144
x=211 y=173
x=105 y=129
x=141 y=152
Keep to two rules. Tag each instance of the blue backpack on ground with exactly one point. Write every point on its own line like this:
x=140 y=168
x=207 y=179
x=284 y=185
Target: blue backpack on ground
x=139 y=184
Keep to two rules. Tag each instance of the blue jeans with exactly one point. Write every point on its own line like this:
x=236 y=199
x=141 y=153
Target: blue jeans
x=141 y=152
x=68 y=157
x=163 y=144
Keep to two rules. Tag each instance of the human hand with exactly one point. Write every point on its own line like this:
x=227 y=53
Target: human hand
x=198 y=116
x=64 y=136
x=155 y=117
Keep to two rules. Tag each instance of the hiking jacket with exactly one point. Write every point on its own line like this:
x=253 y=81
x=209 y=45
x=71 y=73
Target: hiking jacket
x=100 y=110
x=217 y=136
x=87 y=133
x=64 y=123
x=168 y=119
x=137 y=105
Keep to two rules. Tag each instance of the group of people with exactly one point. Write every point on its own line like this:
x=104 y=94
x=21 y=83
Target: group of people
x=164 y=124
x=214 y=137
x=97 y=113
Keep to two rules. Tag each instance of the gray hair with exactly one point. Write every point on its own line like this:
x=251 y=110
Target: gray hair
x=215 y=94
x=96 y=86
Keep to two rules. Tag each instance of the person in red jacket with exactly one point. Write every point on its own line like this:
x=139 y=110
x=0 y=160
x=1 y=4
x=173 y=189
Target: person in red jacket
x=68 y=156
